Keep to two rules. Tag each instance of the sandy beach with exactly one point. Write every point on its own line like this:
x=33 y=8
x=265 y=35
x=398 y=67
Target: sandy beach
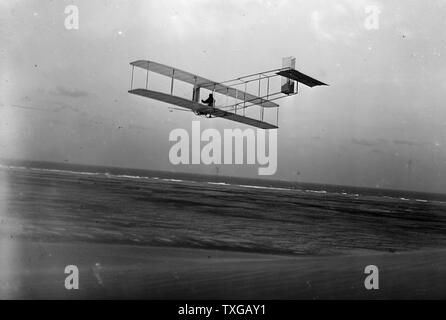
x=150 y=238
x=123 y=271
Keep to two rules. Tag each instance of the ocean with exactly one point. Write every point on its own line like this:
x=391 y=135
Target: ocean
x=60 y=202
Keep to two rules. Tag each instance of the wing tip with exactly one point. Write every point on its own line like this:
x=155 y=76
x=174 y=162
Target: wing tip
x=134 y=63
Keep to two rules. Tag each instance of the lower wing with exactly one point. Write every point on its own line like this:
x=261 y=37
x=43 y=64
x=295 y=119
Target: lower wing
x=197 y=107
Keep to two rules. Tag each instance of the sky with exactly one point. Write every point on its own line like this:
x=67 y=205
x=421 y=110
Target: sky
x=381 y=122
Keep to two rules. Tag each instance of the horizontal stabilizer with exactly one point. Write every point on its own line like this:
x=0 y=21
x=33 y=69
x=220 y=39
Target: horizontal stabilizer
x=300 y=77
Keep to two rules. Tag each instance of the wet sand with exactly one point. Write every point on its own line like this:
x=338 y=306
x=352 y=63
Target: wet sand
x=128 y=271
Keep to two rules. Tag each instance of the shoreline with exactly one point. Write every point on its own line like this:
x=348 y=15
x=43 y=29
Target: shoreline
x=291 y=185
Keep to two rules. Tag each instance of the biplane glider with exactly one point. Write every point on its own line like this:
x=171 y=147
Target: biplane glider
x=236 y=89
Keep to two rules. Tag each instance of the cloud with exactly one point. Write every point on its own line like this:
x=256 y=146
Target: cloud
x=64 y=106
x=72 y=93
x=365 y=142
x=340 y=20
x=137 y=127
x=316 y=24
x=380 y=141
x=405 y=142
x=27 y=107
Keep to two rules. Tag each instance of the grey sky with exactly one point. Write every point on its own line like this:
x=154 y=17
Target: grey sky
x=381 y=122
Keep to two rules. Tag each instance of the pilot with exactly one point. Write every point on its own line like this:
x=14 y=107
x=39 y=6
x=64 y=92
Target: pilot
x=210 y=101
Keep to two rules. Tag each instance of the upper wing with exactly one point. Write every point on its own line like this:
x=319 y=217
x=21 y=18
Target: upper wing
x=203 y=82
x=300 y=77
x=172 y=72
x=195 y=106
